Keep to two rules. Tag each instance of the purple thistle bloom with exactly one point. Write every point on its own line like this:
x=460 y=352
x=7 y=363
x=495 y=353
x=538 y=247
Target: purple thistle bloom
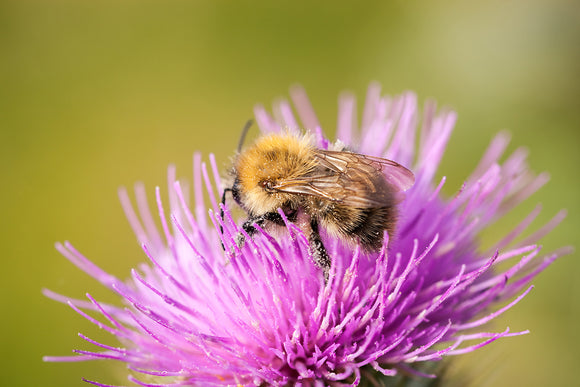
x=263 y=314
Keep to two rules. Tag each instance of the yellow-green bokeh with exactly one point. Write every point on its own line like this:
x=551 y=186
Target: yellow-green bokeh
x=99 y=94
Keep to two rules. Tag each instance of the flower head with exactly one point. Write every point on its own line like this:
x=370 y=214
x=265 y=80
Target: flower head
x=263 y=314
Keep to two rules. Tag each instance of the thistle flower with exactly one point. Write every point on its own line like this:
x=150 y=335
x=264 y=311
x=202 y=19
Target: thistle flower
x=263 y=314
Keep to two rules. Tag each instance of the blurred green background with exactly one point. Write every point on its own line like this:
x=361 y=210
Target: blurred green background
x=95 y=95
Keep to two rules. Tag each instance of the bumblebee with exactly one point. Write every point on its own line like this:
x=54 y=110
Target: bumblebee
x=352 y=196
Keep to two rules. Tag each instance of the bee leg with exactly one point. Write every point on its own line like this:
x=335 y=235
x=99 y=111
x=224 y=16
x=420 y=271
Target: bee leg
x=318 y=250
x=248 y=225
x=222 y=214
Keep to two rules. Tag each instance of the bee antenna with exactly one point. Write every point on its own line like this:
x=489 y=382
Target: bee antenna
x=244 y=132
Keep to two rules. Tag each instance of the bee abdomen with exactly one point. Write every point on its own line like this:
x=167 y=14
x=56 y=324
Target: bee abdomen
x=365 y=226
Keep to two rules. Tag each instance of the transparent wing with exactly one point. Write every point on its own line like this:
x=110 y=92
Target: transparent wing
x=399 y=177
x=351 y=179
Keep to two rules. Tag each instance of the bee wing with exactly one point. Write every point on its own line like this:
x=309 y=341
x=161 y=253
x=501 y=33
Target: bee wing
x=399 y=178
x=351 y=179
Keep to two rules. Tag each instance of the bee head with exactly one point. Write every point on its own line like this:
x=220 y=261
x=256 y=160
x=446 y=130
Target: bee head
x=272 y=159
